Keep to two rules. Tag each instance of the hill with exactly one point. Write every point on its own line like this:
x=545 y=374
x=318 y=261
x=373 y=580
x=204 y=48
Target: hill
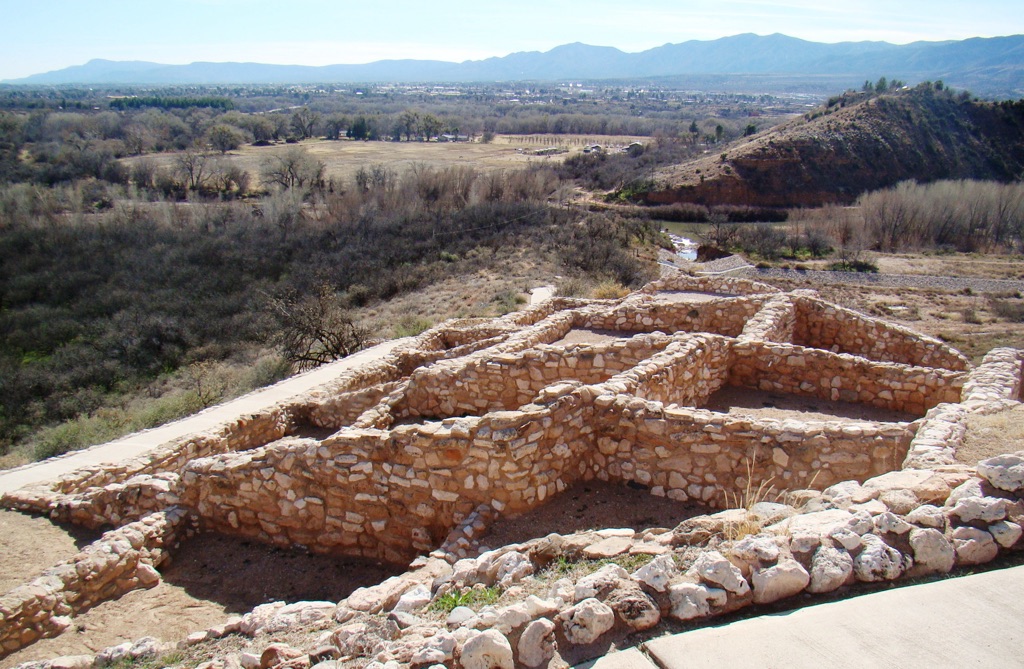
x=855 y=143
x=989 y=66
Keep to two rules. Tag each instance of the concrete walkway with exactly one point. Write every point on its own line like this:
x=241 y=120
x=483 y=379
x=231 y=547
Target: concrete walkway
x=140 y=442
x=541 y=294
x=970 y=621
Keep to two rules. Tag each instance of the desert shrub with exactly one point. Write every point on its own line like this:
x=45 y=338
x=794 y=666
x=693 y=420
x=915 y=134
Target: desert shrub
x=853 y=266
x=1008 y=310
x=609 y=290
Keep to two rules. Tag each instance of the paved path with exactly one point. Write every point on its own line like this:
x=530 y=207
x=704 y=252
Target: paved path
x=893 y=280
x=140 y=442
x=970 y=621
x=538 y=295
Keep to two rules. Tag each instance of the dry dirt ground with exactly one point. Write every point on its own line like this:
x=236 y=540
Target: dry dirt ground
x=209 y=578
x=760 y=404
x=592 y=505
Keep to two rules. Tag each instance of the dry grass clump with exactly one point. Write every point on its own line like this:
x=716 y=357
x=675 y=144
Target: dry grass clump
x=991 y=435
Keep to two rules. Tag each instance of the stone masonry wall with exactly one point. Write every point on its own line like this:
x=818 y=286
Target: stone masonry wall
x=692 y=454
x=688 y=372
x=389 y=494
x=725 y=316
x=510 y=380
x=831 y=327
x=796 y=370
x=122 y=560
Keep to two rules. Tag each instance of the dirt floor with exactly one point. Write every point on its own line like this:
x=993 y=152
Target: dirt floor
x=760 y=404
x=209 y=578
x=992 y=435
x=30 y=544
x=583 y=336
x=592 y=505
x=690 y=297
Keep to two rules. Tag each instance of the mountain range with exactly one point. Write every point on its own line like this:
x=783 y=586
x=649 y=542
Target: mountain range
x=987 y=66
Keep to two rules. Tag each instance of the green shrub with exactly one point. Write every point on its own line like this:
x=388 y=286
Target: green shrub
x=853 y=266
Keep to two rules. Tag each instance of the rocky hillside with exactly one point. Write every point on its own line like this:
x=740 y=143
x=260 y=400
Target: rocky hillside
x=855 y=143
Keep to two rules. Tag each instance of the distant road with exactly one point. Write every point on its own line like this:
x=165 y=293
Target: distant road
x=892 y=280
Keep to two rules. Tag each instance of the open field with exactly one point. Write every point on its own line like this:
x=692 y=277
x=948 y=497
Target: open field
x=343 y=158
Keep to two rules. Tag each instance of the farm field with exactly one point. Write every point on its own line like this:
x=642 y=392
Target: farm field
x=343 y=158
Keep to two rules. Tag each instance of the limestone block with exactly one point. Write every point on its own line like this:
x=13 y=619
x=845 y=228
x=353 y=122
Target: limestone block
x=831 y=568
x=932 y=551
x=537 y=644
x=782 y=580
x=585 y=622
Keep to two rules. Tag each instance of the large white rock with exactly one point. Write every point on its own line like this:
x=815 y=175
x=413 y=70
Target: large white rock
x=487 y=650
x=1005 y=533
x=785 y=579
x=413 y=599
x=927 y=515
x=512 y=617
x=974 y=546
x=690 y=600
x=657 y=573
x=984 y=509
x=1005 y=472
x=713 y=568
x=512 y=567
x=601 y=582
x=755 y=549
x=585 y=622
x=878 y=561
x=537 y=645
x=890 y=523
x=933 y=554
x=259 y=617
x=831 y=568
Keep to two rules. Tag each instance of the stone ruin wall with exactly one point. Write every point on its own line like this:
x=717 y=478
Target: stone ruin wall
x=122 y=560
x=392 y=493
x=834 y=328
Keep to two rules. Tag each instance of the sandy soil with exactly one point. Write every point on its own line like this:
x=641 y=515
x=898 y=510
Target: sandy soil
x=690 y=297
x=584 y=336
x=31 y=544
x=992 y=435
x=760 y=404
x=209 y=578
x=592 y=505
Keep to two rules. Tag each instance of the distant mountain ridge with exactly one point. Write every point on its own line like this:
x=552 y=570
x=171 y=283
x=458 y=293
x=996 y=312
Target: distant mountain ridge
x=986 y=65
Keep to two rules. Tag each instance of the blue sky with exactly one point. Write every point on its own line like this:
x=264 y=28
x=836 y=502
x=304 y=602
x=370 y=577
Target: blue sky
x=42 y=35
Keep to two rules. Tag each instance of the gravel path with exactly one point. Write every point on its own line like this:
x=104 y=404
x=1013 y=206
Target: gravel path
x=891 y=280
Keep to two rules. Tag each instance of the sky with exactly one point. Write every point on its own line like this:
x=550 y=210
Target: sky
x=43 y=35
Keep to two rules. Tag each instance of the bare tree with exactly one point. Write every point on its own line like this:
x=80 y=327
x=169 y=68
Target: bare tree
x=193 y=164
x=316 y=329
x=293 y=168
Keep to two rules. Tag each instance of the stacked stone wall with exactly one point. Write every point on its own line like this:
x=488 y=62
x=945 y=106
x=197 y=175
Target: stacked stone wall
x=687 y=372
x=389 y=494
x=795 y=370
x=718 y=459
x=122 y=560
x=776 y=321
x=834 y=328
x=708 y=284
x=510 y=380
x=725 y=316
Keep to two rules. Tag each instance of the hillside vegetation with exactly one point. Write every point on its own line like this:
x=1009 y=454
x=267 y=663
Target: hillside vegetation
x=856 y=142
